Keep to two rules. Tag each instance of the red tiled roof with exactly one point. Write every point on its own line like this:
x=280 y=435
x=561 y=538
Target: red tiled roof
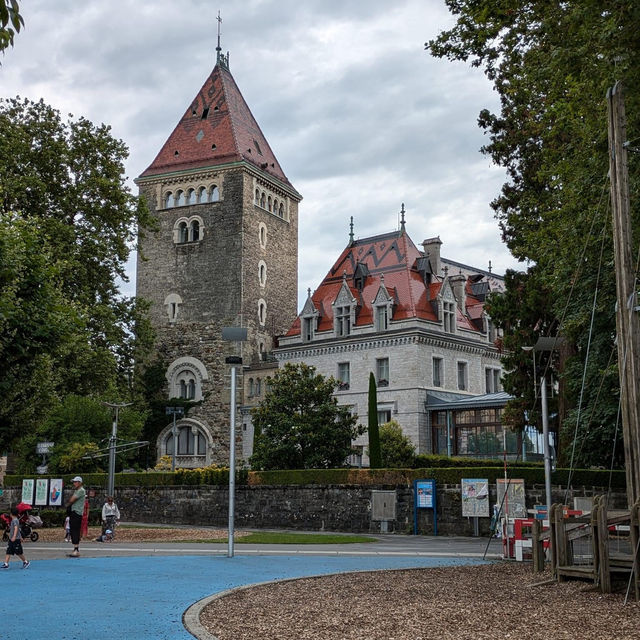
x=392 y=255
x=217 y=128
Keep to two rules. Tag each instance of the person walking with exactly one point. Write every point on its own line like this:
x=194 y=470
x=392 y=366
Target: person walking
x=75 y=509
x=14 y=546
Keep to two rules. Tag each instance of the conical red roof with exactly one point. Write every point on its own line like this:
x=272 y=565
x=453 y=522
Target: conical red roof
x=217 y=128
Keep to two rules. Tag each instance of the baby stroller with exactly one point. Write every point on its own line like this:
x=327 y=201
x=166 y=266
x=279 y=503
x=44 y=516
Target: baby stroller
x=28 y=522
x=108 y=530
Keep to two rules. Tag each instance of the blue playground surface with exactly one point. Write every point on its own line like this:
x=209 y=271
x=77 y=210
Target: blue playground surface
x=144 y=597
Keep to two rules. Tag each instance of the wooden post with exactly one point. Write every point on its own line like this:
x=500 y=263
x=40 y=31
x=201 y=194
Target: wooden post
x=634 y=535
x=537 y=546
x=604 y=571
x=627 y=318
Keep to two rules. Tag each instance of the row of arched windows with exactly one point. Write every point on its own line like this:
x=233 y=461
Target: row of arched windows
x=270 y=204
x=183 y=198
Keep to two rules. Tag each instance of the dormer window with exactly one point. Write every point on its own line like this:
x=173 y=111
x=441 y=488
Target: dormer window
x=343 y=321
x=382 y=317
x=449 y=316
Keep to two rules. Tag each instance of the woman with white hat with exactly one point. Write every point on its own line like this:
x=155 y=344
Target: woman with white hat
x=75 y=509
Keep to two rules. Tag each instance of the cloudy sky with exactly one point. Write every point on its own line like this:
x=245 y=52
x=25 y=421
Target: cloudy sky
x=360 y=117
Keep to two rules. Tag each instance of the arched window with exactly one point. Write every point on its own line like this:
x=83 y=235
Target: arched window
x=257 y=200
x=194 y=231
x=269 y=203
x=214 y=194
x=183 y=388
x=263 y=200
x=180 y=199
x=250 y=387
x=202 y=195
x=183 y=234
x=275 y=206
x=191 y=196
x=258 y=386
x=168 y=200
x=189 y=443
x=191 y=389
x=281 y=210
x=262 y=234
x=262 y=273
x=262 y=311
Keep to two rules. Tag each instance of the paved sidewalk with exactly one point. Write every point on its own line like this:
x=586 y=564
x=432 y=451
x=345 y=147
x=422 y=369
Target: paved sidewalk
x=141 y=591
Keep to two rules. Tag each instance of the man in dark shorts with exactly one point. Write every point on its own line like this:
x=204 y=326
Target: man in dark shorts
x=14 y=547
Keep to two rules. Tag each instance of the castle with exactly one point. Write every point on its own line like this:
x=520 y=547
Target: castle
x=226 y=254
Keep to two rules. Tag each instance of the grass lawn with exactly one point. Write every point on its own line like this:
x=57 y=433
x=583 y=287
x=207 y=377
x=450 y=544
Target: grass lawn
x=275 y=537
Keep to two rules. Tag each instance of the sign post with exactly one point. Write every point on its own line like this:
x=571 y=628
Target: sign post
x=424 y=497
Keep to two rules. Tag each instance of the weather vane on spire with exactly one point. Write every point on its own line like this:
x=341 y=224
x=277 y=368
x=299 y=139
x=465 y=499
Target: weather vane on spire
x=402 y=218
x=351 y=231
x=218 y=48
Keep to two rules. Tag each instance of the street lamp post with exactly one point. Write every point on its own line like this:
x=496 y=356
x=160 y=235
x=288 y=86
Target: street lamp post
x=113 y=442
x=232 y=334
x=175 y=411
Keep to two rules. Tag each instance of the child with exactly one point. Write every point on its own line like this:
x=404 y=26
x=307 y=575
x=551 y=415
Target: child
x=67 y=529
x=14 y=547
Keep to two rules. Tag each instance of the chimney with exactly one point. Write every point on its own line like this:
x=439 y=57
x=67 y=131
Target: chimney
x=431 y=249
x=458 y=284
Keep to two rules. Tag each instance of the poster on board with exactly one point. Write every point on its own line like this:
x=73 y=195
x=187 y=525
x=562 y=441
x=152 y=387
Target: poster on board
x=42 y=489
x=425 y=490
x=514 y=504
x=55 y=492
x=27 y=490
x=475 y=497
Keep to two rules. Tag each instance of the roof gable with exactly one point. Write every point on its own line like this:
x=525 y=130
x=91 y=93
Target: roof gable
x=217 y=128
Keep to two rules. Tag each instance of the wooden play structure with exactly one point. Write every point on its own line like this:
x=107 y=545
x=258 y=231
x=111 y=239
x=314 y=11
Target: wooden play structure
x=594 y=546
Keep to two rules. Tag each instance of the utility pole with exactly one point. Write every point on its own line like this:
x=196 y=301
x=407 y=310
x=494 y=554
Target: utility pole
x=627 y=319
x=112 y=443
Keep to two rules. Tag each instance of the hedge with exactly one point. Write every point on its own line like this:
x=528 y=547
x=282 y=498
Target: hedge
x=442 y=474
x=207 y=476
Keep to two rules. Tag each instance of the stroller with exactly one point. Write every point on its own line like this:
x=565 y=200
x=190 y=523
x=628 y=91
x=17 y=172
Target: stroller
x=28 y=522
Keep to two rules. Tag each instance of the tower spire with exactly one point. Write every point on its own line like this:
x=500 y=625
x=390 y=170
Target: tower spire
x=218 y=48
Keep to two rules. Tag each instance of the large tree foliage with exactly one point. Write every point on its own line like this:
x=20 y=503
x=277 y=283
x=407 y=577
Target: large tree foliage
x=552 y=64
x=67 y=225
x=299 y=424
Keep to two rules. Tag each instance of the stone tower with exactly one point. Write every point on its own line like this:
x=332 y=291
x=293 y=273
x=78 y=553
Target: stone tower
x=225 y=254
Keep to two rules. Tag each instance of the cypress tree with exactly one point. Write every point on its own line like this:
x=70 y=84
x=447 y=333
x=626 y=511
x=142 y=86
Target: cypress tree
x=375 y=459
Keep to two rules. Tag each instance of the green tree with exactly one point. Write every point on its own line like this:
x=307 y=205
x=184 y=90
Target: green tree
x=80 y=426
x=67 y=225
x=299 y=424
x=375 y=456
x=397 y=451
x=10 y=22
x=551 y=64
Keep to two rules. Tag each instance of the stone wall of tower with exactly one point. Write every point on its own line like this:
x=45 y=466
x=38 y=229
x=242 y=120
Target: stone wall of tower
x=269 y=242
x=197 y=288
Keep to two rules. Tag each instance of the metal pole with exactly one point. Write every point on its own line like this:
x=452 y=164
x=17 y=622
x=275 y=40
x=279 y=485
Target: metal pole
x=112 y=453
x=232 y=463
x=175 y=443
x=545 y=439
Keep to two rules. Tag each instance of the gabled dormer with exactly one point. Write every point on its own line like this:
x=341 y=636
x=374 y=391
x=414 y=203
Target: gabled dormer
x=309 y=318
x=344 y=310
x=383 y=305
x=423 y=266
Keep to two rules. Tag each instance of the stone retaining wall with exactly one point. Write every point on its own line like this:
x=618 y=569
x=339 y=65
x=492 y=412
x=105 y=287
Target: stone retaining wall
x=344 y=508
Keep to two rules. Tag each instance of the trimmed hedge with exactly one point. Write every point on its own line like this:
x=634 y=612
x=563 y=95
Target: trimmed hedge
x=532 y=473
x=207 y=476
x=447 y=475
x=427 y=461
